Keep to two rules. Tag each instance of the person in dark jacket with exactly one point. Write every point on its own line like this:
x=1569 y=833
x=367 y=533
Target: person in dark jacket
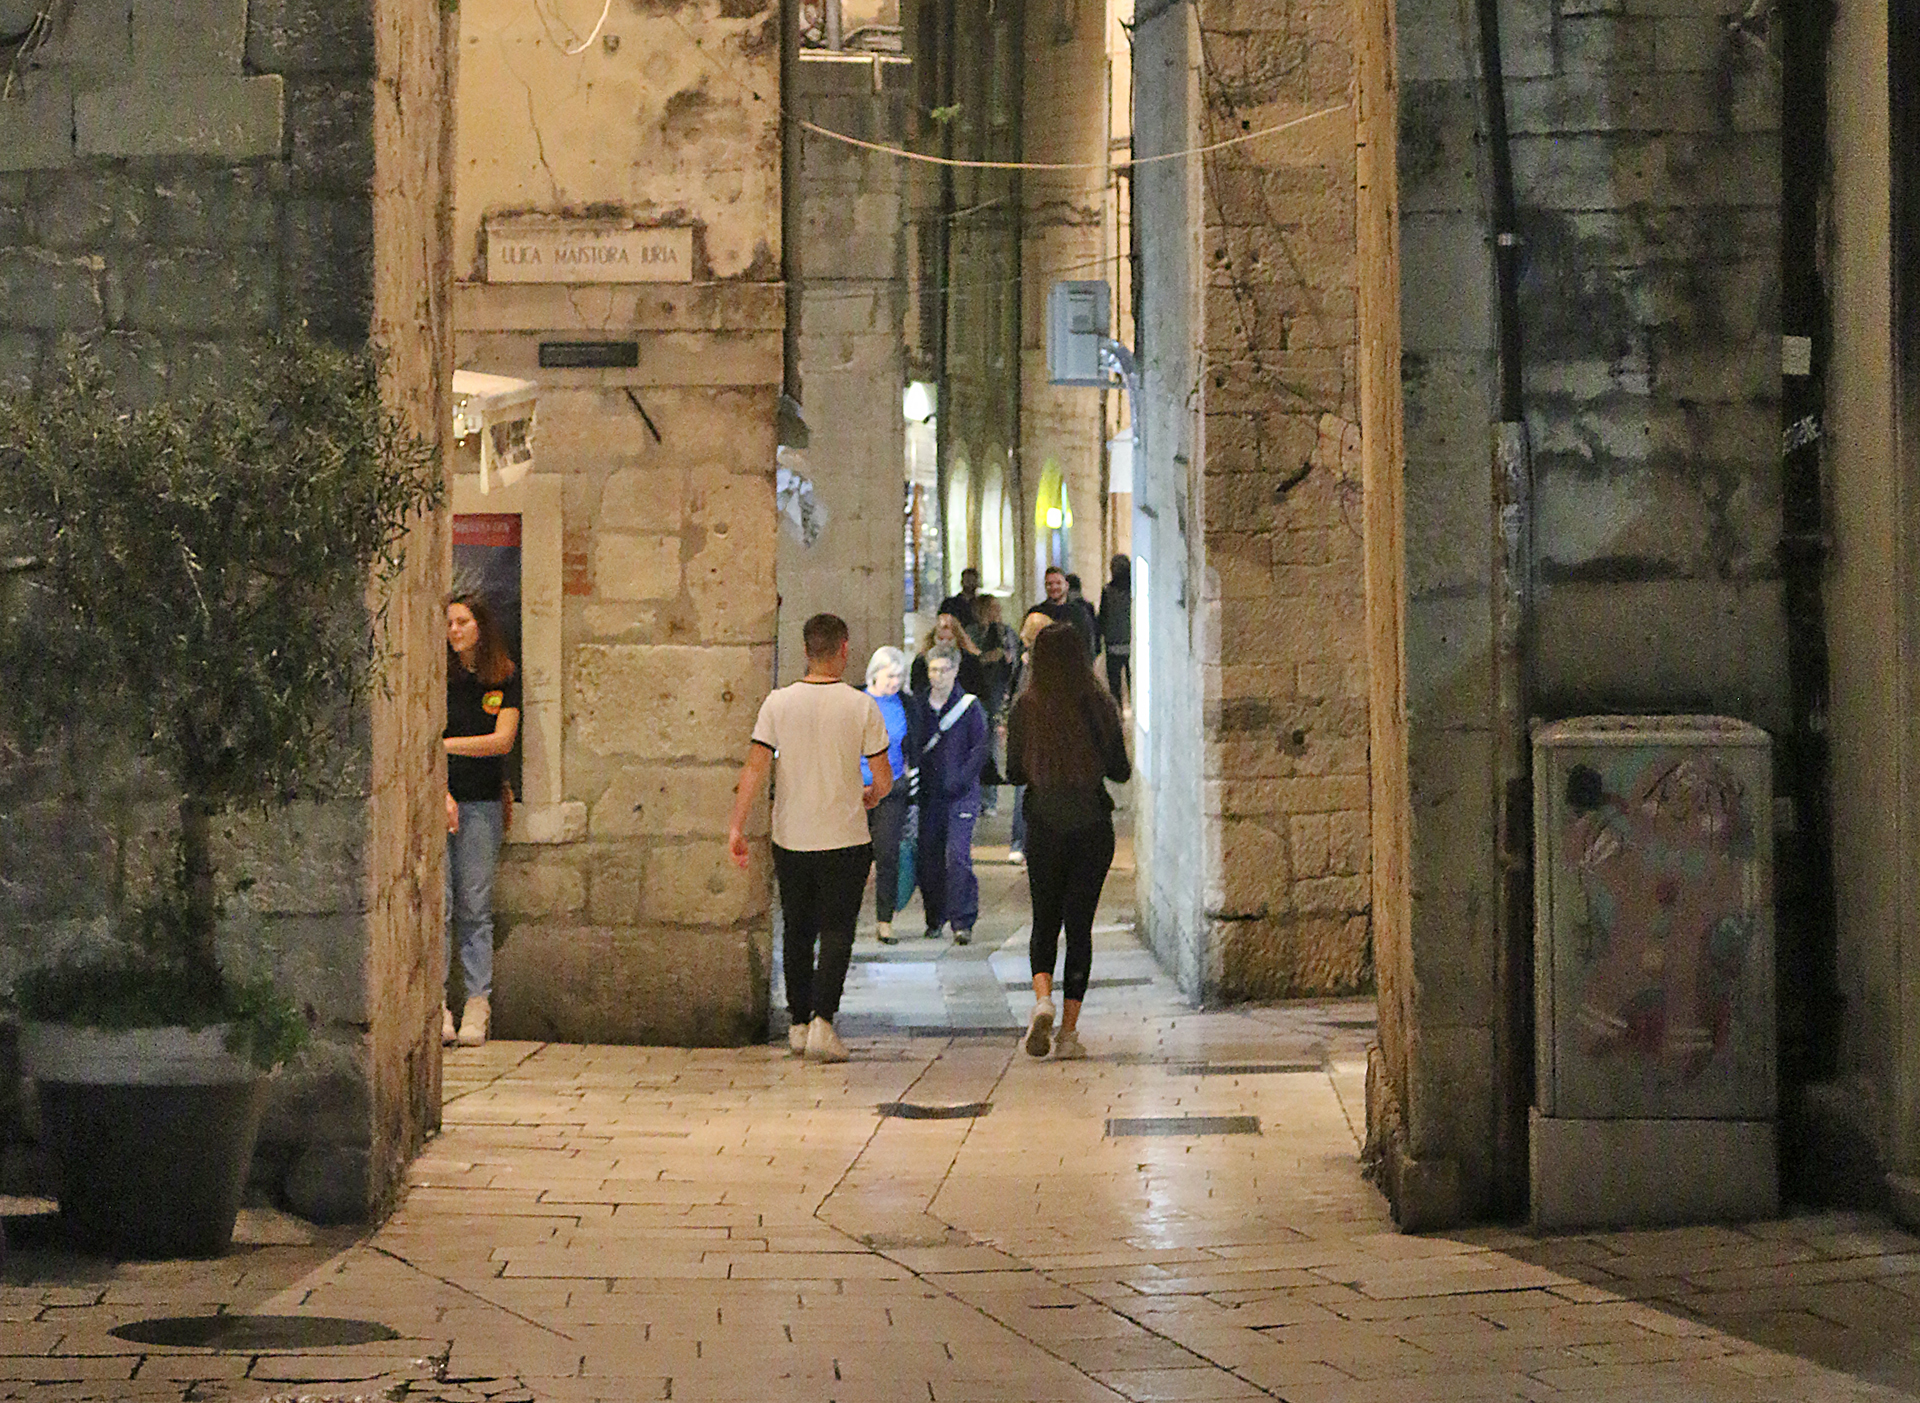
x=951 y=757
x=1116 y=627
x=1060 y=607
x=1064 y=741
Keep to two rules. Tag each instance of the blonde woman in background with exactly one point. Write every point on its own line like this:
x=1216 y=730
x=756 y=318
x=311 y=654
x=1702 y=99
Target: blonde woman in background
x=949 y=632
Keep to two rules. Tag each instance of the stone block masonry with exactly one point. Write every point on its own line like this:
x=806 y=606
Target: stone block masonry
x=178 y=180
x=630 y=925
x=1285 y=684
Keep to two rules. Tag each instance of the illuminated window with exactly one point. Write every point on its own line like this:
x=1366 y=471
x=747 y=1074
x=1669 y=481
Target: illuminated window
x=959 y=556
x=996 y=535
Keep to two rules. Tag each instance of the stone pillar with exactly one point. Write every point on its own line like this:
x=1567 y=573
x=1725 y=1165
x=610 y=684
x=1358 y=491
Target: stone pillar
x=177 y=181
x=851 y=206
x=622 y=919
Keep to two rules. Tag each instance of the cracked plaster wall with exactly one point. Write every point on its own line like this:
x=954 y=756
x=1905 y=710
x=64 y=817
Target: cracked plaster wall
x=633 y=926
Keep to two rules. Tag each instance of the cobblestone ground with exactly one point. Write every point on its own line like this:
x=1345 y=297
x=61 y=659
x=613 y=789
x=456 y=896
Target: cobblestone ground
x=626 y=1224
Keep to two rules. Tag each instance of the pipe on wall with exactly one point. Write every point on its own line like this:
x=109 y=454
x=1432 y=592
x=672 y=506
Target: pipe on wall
x=1512 y=608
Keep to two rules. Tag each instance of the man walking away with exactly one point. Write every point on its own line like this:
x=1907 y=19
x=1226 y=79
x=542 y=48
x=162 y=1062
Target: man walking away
x=951 y=759
x=1089 y=621
x=818 y=729
x=1116 y=627
x=963 y=605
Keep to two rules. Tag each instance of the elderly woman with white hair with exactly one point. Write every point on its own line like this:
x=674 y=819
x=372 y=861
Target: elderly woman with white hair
x=887 y=820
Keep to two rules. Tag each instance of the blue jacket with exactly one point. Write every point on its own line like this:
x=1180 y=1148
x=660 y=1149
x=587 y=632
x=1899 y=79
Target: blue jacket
x=951 y=760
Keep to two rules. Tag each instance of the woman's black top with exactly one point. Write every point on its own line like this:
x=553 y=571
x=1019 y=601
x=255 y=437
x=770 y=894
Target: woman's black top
x=972 y=677
x=1065 y=807
x=473 y=709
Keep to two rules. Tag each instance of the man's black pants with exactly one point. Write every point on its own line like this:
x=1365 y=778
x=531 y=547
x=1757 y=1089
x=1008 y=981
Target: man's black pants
x=819 y=905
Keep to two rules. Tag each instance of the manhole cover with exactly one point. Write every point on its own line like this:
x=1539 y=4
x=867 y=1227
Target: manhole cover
x=1239 y=1069
x=908 y=1110
x=245 y=1332
x=1182 y=1125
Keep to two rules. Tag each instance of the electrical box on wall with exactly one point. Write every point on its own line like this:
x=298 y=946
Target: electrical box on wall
x=1078 y=314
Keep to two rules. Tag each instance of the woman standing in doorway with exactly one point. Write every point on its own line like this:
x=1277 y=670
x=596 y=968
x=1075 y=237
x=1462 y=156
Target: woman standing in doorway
x=483 y=720
x=1063 y=742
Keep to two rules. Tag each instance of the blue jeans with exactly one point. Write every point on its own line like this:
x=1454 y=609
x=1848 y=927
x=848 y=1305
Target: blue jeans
x=1018 y=843
x=473 y=852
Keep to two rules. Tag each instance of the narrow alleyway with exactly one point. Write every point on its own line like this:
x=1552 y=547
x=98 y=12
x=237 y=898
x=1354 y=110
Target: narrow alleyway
x=1182 y=1216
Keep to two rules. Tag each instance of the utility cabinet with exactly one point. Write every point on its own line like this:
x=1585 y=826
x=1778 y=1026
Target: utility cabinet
x=1655 y=1090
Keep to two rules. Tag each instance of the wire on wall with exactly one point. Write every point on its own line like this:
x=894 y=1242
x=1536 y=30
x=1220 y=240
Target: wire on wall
x=539 y=8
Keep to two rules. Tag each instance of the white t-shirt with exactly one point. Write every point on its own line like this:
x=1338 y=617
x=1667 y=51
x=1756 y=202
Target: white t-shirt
x=819 y=732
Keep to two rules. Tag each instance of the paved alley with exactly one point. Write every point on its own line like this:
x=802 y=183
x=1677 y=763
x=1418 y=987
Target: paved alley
x=944 y=1220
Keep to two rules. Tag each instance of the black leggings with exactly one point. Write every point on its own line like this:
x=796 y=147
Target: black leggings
x=1065 y=872
x=887 y=822
x=819 y=901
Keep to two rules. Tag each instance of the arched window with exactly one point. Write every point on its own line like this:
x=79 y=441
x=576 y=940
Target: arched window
x=996 y=540
x=959 y=553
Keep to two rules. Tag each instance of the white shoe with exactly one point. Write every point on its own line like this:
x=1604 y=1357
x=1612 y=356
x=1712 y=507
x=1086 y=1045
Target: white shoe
x=447 y=1034
x=1067 y=1048
x=884 y=932
x=1016 y=857
x=473 y=1022
x=1040 y=1029
x=823 y=1044
x=797 y=1038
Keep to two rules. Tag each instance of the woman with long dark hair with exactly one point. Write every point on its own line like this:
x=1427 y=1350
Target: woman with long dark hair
x=1064 y=742
x=483 y=721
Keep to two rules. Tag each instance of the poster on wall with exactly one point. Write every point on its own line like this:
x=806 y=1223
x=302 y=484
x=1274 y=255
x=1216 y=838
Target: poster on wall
x=486 y=561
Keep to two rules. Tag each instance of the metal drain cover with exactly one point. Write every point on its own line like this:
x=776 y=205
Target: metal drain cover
x=1182 y=1125
x=251 y=1332
x=1239 y=1069
x=909 y=1110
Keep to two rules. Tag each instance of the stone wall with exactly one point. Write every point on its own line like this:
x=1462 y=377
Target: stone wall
x=175 y=182
x=1431 y=1117
x=621 y=919
x=1867 y=1121
x=1267 y=511
x=413 y=320
x=1173 y=837
x=1644 y=147
x=852 y=250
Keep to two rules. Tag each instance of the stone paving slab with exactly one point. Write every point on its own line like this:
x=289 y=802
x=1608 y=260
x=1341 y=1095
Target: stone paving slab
x=623 y=1223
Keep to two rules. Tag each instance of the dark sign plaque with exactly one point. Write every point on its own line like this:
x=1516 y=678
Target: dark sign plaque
x=589 y=355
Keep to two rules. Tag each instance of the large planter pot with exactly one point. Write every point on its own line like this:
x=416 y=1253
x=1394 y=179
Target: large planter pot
x=151 y=1132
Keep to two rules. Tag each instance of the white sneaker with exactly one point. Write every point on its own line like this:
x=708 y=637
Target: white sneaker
x=447 y=1033
x=1016 y=857
x=1067 y=1048
x=823 y=1044
x=797 y=1038
x=473 y=1022
x=1040 y=1029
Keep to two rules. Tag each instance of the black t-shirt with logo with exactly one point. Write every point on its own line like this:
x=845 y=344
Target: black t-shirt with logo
x=473 y=709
